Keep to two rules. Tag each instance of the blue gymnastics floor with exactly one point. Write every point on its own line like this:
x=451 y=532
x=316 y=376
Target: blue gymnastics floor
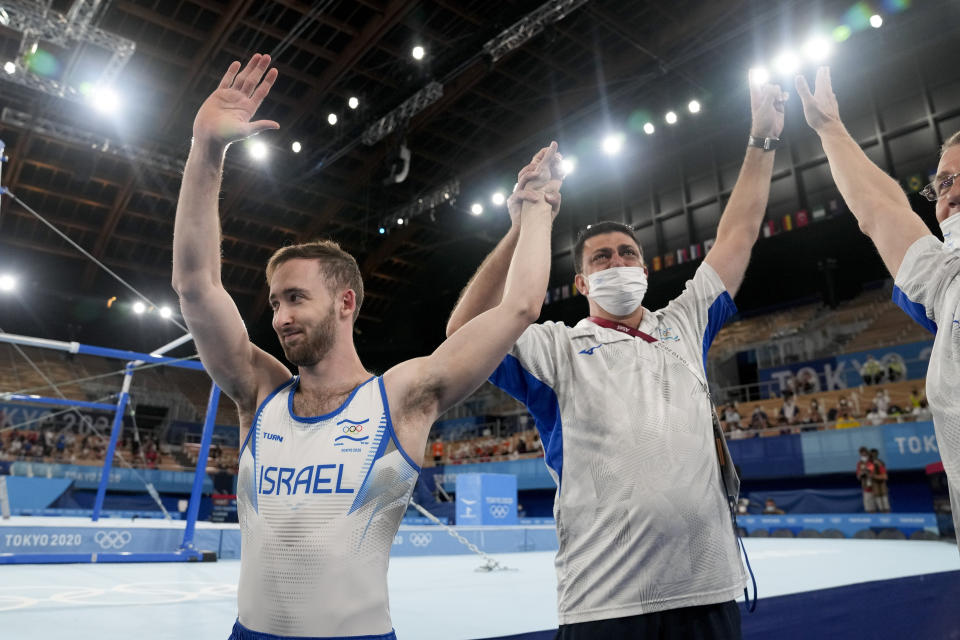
x=444 y=598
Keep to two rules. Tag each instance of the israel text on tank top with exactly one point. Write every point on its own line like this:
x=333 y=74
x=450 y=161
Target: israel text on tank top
x=320 y=500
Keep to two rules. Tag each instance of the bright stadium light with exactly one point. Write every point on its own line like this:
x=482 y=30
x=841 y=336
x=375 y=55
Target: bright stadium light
x=876 y=21
x=165 y=312
x=353 y=102
x=139 y=307
x=9 y=67
x=105 y=100
x=671 y=117
x=400 y=222
x=257 y=149
x=332 y=119
x=693 y=106
x=786 y=63
x=296 y=146
x=612 y=144
x=382 y=230
x=759 y=76
x=648 y=128
x=568 y=165
x=476 y=208
x=498 y=198
x=418 y=52
x=7 y=283
x=817 y=49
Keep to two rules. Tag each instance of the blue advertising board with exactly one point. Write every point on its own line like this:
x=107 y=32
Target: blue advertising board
x=847 y=523
x=843 y=371
x=122 y=479
x=486 y=499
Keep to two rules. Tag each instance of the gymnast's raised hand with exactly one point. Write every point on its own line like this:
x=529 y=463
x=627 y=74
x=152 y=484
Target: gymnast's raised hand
x=225 y=115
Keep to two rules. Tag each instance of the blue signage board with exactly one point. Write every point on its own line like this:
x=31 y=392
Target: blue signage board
x=486 y=499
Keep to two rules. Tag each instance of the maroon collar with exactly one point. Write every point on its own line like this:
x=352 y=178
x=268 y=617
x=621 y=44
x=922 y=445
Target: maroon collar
x=610 y=324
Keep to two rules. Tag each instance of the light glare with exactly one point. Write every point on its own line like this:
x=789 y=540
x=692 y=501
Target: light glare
x=296 y=146
x=568 y=165
x=257 y=150
x=418 y=53
x=759 y=76
x=7 y=283
x=139 y=307
x=613 y=143
x=353 y=102
x=876 y=21
x=9 y=67
x=786 y=63
x=693 y=107
x=165 y=312
x=332 y=119
x=105 y=100
x=648 y=128
x=671 y=117
x=498 y=198
x=400 y=222
x=476 y=208
x=817 y=49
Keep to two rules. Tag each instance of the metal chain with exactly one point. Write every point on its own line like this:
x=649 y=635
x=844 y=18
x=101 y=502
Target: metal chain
x=491 y=563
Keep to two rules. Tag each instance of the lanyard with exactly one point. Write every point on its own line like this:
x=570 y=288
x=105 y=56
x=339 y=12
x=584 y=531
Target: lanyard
x=610 y=324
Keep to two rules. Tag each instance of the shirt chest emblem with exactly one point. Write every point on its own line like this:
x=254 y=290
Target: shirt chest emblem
x=354 y=435
x=668 y=334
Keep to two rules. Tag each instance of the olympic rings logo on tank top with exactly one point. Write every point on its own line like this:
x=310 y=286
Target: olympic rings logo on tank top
x=353 y=428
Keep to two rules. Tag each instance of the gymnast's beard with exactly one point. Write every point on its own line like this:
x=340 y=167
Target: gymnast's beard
x=315 y=343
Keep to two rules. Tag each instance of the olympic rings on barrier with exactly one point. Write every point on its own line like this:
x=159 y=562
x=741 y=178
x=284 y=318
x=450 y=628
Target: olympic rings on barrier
x=420 y=539
x=499 y=510
x=112 y=539
x=353 y=428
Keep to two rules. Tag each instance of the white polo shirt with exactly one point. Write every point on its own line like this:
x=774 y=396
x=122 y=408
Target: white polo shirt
x=642 y=518
x=927 y=287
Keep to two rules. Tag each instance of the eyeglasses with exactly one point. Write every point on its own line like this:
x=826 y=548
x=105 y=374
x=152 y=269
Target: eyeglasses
x=936 y=190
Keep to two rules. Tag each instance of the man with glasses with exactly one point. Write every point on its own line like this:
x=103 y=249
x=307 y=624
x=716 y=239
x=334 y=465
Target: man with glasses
x=926 y=271
x=643 y=502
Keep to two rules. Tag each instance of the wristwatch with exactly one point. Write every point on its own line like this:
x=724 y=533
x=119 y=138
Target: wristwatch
x=767 y=144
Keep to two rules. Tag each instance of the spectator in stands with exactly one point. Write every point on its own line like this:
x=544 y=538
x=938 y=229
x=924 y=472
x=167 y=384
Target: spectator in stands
x=880 y=489
x=731 y=417
x=759 y=419
x=789 y=412
x=771 y=508
x=835 y=412
x=845 y=420
x=816 y=414
x=743 y=506
x=806 y=381
x=882 y=401
x=865 y=474
x=895 y=369
x=915 y=398
x=875 y=416
x=871 y=371
x=436 y=450
x=922 y=412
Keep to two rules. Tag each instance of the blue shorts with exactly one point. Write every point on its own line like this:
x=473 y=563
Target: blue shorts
x=240 y=632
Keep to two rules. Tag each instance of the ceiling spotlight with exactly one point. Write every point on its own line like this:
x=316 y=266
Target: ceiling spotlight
x=671 y=117
x=165 y=312
x=382 y=230
x=817 y=49
x=418 y=53
x=353 y=102
x=257 y=149
x=693 y=106
x=9 y=67
x=296 y=146
x=786 y=63
x=7 y=283
x=105 y=100
x=332 y=119
x=648 y=128
x=876 y=21
x=758 y=76
x=400 y=222
x=139 y=307
x=476 y=208
x=613 y=143
x=498 y=198
x=568 y=165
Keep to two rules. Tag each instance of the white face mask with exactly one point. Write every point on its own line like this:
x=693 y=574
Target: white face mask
x=951 y=233
x=618 y=290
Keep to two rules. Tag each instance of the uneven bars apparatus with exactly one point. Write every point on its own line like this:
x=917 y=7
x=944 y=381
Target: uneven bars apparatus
x=187 y=551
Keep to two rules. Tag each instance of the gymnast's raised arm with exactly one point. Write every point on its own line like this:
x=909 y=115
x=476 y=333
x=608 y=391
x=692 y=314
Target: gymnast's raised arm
x=245 y=372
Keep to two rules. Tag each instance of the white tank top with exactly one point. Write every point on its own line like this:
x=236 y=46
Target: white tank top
x=320 y=500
